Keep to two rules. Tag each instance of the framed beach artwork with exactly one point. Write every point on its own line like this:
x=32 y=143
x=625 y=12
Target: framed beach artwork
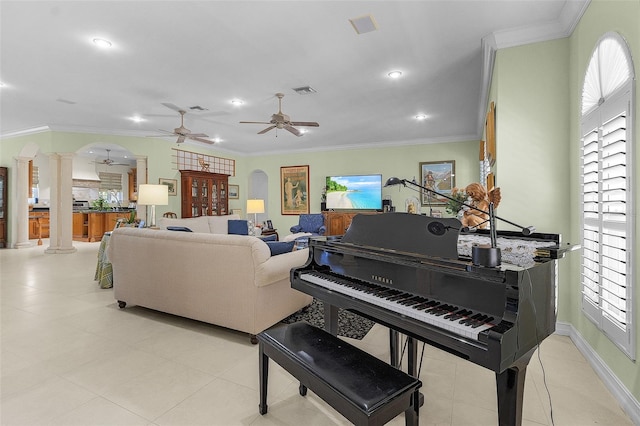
x=171 y=183
x=294 y=189
x=438 y=176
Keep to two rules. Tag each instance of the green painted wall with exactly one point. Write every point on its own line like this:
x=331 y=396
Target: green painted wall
x=401 y=161
x=600 y=18
x=537 y=91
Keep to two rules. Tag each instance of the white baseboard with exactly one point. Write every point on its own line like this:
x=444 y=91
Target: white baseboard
x=626 y=400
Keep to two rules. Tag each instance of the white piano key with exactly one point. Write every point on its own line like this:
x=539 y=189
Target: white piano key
x=437 y=320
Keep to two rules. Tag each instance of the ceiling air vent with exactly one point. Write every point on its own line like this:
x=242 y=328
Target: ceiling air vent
x=364 y=24
x=305 y=90
x=198 y=108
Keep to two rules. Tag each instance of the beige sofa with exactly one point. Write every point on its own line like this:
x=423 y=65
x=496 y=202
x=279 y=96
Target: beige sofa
x=227 y=280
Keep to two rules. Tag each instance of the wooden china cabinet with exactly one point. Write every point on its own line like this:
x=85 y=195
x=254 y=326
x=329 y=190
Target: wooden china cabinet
x=204 y=193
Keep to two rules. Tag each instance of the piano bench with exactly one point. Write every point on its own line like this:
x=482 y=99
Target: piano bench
x=361 y=387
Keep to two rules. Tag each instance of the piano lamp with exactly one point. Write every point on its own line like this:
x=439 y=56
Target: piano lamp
x=153 y=195
x=255 y=206
x=481 y=255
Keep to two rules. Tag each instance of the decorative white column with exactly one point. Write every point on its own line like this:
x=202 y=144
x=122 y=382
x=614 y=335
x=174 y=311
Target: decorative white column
x=61 y=208
x=141 y=177
x=54 y=202
x=22 y=202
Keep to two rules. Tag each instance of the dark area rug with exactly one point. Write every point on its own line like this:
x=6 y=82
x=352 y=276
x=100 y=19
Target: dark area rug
x=349 y=324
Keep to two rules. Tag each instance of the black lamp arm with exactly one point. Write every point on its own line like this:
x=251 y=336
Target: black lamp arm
x=392 y=181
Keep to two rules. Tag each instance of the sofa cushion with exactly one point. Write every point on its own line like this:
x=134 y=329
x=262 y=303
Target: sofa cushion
x=280 y=247
x=237 y=227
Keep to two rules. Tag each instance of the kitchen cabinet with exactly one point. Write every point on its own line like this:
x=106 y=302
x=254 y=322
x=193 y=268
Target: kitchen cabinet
x=38 y=224
x=91 y=226
x=204 y=194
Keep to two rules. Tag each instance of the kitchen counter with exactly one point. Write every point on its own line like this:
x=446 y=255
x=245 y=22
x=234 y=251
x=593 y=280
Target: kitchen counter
x=90 y=225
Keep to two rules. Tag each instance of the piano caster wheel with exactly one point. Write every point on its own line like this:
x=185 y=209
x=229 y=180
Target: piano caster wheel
x=303 y=390
x=121 y=304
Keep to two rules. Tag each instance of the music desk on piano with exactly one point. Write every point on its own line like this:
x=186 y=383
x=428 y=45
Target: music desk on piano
x=404 y=271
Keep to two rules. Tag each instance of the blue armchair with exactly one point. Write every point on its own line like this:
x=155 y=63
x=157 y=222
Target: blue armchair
x=313 y=223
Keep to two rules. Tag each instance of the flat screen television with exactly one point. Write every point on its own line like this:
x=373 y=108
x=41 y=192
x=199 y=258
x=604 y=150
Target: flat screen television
x=354 y=192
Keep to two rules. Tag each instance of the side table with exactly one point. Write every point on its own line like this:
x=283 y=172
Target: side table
x=267 y=232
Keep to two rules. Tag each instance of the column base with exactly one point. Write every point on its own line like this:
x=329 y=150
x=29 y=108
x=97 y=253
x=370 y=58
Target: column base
x=61 y=250
x=25 y=244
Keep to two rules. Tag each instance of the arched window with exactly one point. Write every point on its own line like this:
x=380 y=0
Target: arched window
x=607 y=191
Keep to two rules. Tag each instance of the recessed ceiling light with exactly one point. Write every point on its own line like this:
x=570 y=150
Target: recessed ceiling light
x=217 y=140
x=237 y=101
x=421 y=117
x=395 y=74
x=100 y=42
x=136 y=119
x=2 y=84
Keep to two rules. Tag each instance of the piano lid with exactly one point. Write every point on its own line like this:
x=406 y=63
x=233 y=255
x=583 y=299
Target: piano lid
x=406 y=232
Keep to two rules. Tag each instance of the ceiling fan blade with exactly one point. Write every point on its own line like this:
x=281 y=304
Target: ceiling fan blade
x=305 y=123
x=266 y=130
x=198 y=135
x=255 y=122
x=172 y=106
x=201 y=140
x=293 y=130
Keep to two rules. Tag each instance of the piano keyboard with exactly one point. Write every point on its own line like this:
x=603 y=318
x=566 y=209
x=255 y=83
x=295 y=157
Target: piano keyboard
x=461 y=321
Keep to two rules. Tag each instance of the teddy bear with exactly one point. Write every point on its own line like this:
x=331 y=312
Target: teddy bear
x=477 y=196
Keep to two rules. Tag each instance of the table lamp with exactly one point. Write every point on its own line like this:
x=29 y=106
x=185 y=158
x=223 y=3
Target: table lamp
x=255 y=207
x=153 y=195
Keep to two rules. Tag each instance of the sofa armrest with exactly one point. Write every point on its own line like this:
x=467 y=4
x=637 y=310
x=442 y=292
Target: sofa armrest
x=322 y=230
x=279 y=267
x=295 y=228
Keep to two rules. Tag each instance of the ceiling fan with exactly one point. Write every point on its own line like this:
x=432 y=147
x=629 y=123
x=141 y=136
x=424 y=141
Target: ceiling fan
x=182 y=132
x=282 y=121
x=109 y=162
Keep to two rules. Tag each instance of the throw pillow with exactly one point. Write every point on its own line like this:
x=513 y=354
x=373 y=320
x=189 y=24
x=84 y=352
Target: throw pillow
x=237 y=227
x=280 y=247
x=269 y=238
x=178 y=228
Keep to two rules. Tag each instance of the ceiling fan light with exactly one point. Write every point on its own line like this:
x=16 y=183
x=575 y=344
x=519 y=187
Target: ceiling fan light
x=101 y=42
x=395 y=74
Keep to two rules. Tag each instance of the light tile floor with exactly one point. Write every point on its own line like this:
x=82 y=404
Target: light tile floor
x=70 y=356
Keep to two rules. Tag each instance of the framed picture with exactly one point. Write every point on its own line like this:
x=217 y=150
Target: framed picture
x=438 y=176
x=294 y=190
x=269 y=224
x=171 y=183
x=234 y=192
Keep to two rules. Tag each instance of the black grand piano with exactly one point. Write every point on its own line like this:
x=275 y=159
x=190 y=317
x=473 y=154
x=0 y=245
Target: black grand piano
x=405 y=271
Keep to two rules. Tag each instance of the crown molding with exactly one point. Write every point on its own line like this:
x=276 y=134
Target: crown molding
x=562 y=27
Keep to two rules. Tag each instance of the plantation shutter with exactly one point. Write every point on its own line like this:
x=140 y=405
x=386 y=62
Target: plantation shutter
x=607 y=227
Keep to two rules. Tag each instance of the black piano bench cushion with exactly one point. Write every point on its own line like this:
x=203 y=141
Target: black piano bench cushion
x=355 y=383
x=280 y=247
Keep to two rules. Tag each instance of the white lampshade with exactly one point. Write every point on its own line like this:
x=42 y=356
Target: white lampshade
x=153 y=195
x=255 y=206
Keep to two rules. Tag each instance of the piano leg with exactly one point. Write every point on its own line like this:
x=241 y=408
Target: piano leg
x=331 y=319
x=510 y=388
x=394 y=348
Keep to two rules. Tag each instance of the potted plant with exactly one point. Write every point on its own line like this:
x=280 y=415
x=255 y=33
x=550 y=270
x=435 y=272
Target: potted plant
x=99 y=204
x=455 y=206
